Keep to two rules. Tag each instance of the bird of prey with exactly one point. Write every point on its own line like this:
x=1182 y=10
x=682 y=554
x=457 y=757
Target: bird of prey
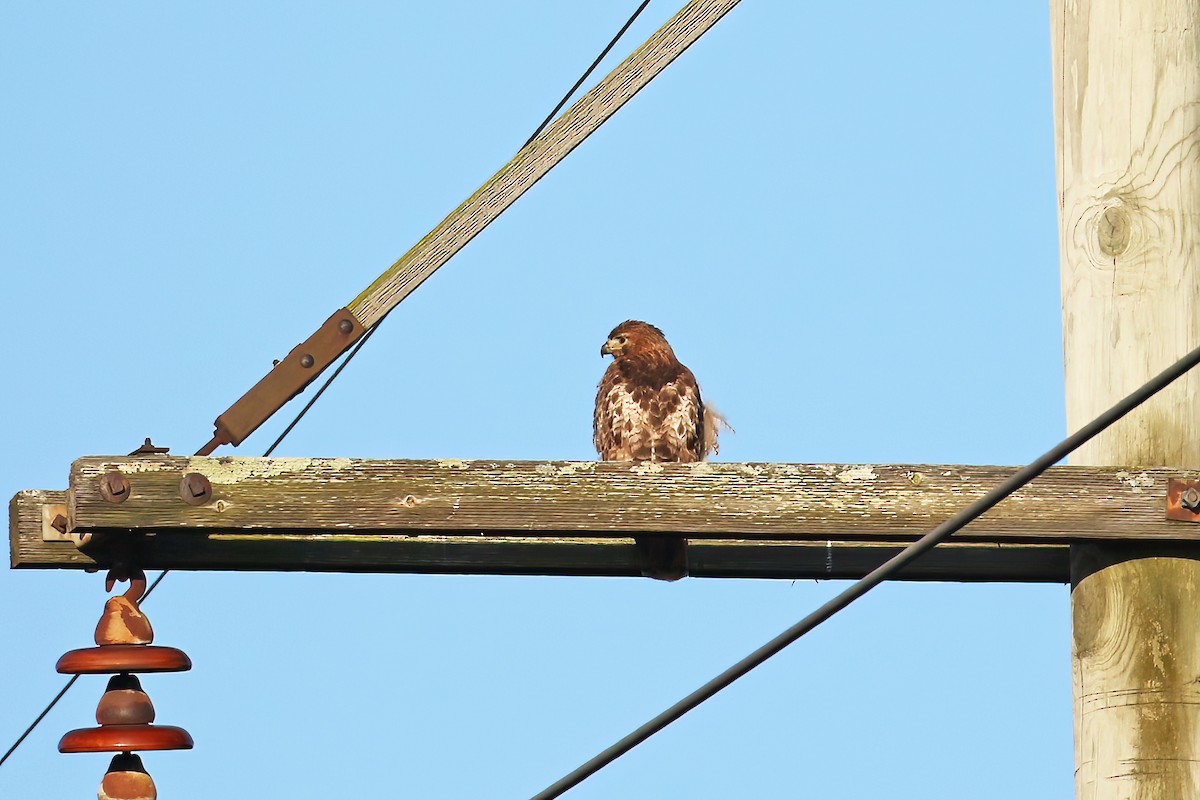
x=648 y=408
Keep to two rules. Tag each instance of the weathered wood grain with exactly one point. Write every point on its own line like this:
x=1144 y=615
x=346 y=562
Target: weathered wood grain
x=574 y=518
x=25 y=532
x=1135 y=634
x=539 y=554
x=795 y=502
x=1127 y=118
x=537 y=158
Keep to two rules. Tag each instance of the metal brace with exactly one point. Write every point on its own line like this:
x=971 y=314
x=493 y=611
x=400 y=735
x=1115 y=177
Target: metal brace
x=286 y=379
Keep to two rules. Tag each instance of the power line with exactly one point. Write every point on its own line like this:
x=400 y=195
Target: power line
x=915 y=550
x=296 y=420
x=325 y=386
x=40 y=717
x=587 y=72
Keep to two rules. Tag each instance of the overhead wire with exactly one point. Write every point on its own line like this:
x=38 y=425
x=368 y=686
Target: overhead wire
x=324 y=386
x=889 y=568
x=349 y=357
x=39 y=718
x=637 y=12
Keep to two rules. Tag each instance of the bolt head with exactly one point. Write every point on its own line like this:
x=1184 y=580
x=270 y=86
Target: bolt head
x=195 y=489
x=114 y=487
x=345 y=326
x=1190 y=499
x=306 y=361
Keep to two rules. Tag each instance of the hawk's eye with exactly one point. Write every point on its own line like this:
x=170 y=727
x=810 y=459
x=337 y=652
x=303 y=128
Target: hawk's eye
x=621 y=339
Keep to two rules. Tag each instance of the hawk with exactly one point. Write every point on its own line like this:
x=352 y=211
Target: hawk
x=648 y=408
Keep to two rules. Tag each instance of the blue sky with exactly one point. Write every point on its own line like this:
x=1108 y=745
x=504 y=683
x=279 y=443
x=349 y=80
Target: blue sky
x=843 y=217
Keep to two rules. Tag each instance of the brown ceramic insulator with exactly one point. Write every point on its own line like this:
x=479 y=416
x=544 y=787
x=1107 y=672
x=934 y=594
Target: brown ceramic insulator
x=123 y=623
x=127 y=779
x=127 y=786
x=123 y=658
x=120 y=738
x=124 y=703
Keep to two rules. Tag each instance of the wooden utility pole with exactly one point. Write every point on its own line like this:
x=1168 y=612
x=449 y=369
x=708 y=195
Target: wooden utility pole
x=1127 y=124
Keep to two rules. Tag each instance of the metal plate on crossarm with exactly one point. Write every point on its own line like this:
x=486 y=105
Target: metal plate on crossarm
x=1183 y=500
x=54 y=526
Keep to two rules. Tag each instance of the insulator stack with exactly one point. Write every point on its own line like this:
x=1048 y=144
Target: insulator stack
x=125 y=713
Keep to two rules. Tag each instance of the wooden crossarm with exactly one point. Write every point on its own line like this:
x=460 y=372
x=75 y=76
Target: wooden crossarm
x=745 y=520
x=705 y=500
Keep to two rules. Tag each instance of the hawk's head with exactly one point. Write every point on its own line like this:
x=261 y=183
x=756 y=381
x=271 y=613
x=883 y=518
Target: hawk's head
x=633 y=338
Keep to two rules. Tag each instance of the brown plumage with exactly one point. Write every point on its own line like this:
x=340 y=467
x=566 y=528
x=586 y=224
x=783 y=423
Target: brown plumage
x=648 y=408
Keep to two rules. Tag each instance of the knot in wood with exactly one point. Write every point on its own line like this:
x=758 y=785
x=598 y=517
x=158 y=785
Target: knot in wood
x=1113 y=230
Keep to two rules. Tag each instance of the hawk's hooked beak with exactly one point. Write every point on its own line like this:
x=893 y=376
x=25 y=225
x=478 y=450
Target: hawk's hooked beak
x=611 y=348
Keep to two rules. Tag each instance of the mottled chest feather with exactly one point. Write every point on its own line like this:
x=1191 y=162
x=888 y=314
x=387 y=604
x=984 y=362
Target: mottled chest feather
x=649 y=412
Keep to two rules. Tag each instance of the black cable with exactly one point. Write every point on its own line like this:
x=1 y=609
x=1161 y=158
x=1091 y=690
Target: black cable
x=40 y=717
x=325 y=385
x=157 y=581
x=336 y=372
x=587 y=72
x=876 y=576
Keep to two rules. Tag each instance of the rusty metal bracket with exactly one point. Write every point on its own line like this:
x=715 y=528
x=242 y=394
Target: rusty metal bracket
x=1183 y=500
x=54 y=526
x=287 y=379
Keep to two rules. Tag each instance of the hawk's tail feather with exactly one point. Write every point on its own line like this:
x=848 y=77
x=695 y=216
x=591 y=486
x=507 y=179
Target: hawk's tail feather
x=714 y=420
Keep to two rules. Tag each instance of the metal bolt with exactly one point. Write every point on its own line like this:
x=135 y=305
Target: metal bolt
x=1190 y=499
x=345 y=326
x=59 y=523
x=195 y=489
x=306 y=361
x=114 y=487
